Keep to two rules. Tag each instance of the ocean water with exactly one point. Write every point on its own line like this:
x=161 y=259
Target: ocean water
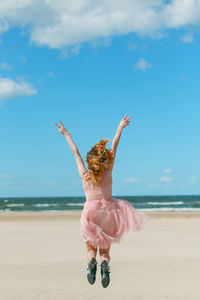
x=154 y=203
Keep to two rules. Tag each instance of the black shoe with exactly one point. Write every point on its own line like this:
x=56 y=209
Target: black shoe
x=92 y=268
x=105 y=274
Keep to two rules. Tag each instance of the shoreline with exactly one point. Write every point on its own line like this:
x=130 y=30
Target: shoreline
x=75 y=214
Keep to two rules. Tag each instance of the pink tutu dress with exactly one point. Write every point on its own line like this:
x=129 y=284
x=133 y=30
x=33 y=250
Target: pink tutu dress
x=105 y=220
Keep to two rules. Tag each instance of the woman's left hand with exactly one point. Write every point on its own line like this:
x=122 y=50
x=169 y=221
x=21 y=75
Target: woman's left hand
x=125 y=121
x=62 y=129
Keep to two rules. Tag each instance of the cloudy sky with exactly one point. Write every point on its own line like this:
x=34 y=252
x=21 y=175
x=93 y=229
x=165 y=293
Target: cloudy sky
x=88 y=63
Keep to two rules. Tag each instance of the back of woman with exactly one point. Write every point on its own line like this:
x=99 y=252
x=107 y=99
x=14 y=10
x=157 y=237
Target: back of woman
x=104 y=219
x=101 y=191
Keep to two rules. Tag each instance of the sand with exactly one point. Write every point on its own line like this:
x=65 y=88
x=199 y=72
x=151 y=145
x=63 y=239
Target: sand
x=43 y=256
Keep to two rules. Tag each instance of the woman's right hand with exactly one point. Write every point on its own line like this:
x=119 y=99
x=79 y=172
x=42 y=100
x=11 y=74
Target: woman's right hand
x=62 y=129
x=125 y=121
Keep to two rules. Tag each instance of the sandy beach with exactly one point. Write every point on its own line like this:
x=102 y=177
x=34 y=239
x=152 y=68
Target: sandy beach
x=43 y=257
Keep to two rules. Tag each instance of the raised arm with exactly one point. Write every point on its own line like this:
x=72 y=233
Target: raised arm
x=124 y=122
x=80 y=164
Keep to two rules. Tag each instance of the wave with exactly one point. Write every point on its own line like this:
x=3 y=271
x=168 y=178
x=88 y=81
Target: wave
x=15 y=204
x=43 y=205
x=75 y=204
x=58 y=204
x=165 y=203
x=170 y=209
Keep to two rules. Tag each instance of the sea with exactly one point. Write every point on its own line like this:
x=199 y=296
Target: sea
x=149 y=203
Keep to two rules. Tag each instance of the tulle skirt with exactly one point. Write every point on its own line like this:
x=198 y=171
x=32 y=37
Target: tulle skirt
x=105 y=222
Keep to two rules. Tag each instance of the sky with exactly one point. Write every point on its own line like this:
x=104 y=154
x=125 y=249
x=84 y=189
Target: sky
x=89 y=63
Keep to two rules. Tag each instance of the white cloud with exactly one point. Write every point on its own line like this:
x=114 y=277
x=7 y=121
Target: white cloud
x=153 y=185
x=182 y=13
x=75 y=50
x=11 y=89
x=4 y=26
x=182 y=77
x=52 y=182
x=167 y=171
x=76 y=182
x=142 y=64
x=5 y=176
x=5 y=66
x=31 y=182
x=188 y=38
x=63 y=23
x=3 y=183
x=50 y=74
x=132 y=45
x=105 y=42
x=131 y=179
x=22 y=58
x=64 y=53
x=194 y=178
x=166 y=179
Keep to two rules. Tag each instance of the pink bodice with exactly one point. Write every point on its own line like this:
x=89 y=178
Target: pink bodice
x=103 y=191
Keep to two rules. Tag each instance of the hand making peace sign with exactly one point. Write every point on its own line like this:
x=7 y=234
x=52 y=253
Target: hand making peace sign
x=125 y=121
x=62 y=129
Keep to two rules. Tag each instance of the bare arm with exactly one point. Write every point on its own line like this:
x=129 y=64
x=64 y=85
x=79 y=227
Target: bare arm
x=124 y=122
x=80 y=164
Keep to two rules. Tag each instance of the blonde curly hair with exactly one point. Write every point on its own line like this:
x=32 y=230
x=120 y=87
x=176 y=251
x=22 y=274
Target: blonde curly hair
x=98 y=158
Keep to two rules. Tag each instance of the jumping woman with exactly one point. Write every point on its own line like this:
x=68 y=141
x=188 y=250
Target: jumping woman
x=104 y=220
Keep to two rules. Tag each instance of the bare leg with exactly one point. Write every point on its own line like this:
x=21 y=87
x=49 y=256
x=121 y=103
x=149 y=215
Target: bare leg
x=104 y=254
x=91 y=251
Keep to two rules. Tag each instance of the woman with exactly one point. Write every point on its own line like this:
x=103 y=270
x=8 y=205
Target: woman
x=104 y=220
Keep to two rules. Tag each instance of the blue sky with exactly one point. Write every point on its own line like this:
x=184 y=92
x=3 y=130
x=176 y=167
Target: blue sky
x=89 y=81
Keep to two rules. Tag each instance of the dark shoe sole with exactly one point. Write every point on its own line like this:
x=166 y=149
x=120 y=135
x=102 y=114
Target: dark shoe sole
x=105 y=282
x=91 y=279
x=92 y=268
x=105 y=276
